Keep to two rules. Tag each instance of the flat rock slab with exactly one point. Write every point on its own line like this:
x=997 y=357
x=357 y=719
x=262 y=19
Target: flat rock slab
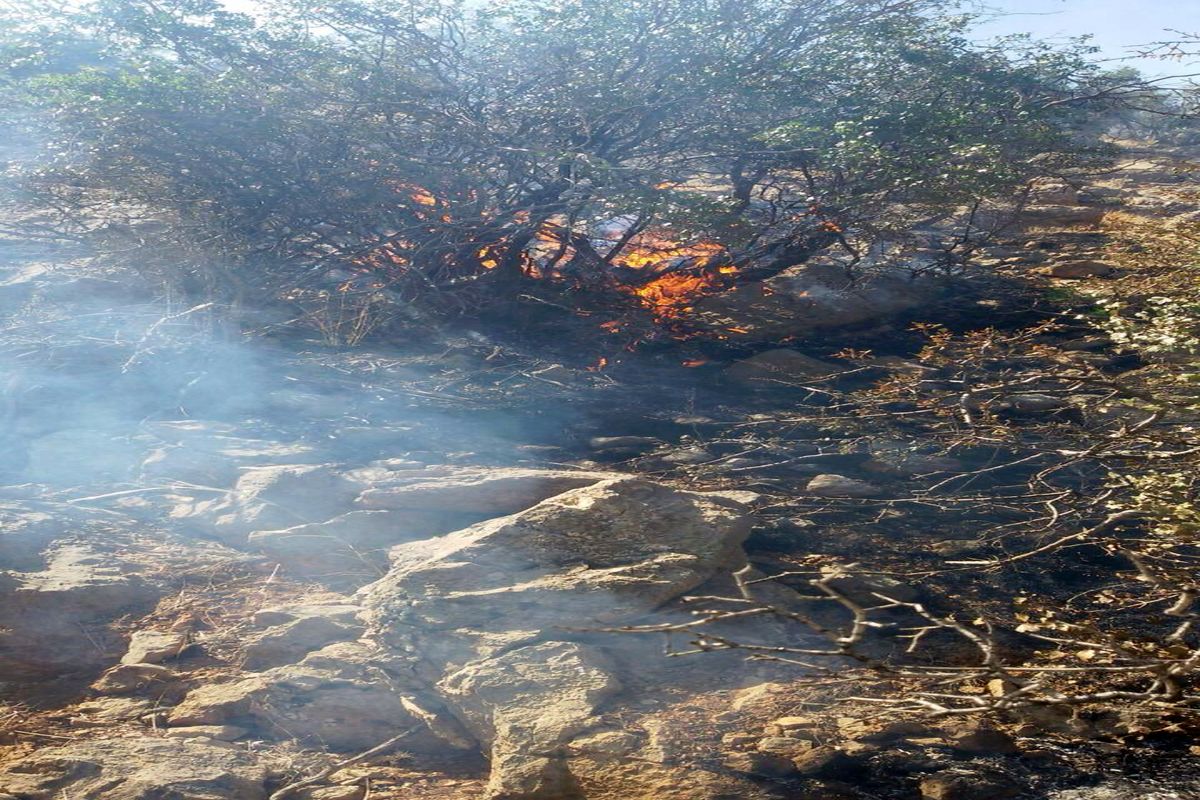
x=137 y=769
x=490 y=492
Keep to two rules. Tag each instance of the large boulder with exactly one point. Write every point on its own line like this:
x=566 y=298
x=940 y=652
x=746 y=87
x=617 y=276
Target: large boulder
x=485 y=613
x=137 y=769
x=594 y=555
x=811 y=297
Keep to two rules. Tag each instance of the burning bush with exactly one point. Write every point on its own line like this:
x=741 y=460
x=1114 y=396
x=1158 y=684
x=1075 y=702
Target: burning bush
x=640 y=153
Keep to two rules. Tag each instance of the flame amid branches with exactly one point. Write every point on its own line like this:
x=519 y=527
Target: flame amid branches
x=682 y=273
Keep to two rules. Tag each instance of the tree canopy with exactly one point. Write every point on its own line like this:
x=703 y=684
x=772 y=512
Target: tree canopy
x=450 y=152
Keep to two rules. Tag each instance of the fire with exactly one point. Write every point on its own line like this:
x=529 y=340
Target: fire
x=695 y=362
x=600 y=364
x=684 y=273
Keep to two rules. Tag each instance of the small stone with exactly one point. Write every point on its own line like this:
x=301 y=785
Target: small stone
x=795 y=722
x=830 y=485
x=774 y=368
x=690 y=455
x=827 y=762
x=624 y=444
x=130 y=678
x=984 y=740
x=153 y=647
x=333 y=793
x=222 y=733
x=1074 y=270
x=738 y=740
x=1033 y=402
x=767 y=765
x=967 y=786
x=788 y=746
x=607 y=743
x=905 y=730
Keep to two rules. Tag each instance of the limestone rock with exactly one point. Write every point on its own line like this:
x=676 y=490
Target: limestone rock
x=624 y=445
x=222 y=733
x=154 y=647
x=289 y=642
x=526 y=704
x=338 y=697
x=827 y=762
x=593 y=555
x=137 y=769
x=355 y=543
x=781 y=367
x=470 y=490
x=43 y=612
x=963 y=785
x=270 y=498
x=1074 y=270
x=1061 y=216
x=810 y=297
x=343 y=613
x=768 y=765
x=830 y=485
x=133 y=678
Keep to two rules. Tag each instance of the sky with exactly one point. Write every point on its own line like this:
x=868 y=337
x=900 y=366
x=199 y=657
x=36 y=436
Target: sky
x=1117 y=25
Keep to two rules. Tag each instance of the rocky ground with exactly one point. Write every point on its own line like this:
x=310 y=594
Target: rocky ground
x=253 y=570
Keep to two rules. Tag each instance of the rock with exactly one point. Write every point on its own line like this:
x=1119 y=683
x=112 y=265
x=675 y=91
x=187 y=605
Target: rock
x=137 y=769
x=817 y=295
x=830 y=485
x=904 y=730
x=787 y=746
x=827 y=762
x=333 y=793
x=606 y=743
x=962 y=785
x=110 y=710
x=154 y=647
x=594 y=555
x=472 y=490
x=353 y=544
x=767 y=765
x=1074 y=270
x=289 y=642
x=908 y=464
x=782 y=367
x=1031 y=403
x=980 y=739
x=271 y=498
x=1054 y=193
x=133 y=678
x=796 y=723
x=55 y=620
x=343 y=613
x=222 y=733
x=867 y=590
x=525 y=705
x=624 y=445
x=688 y=455
x=1061 y=216
x=338 y=697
